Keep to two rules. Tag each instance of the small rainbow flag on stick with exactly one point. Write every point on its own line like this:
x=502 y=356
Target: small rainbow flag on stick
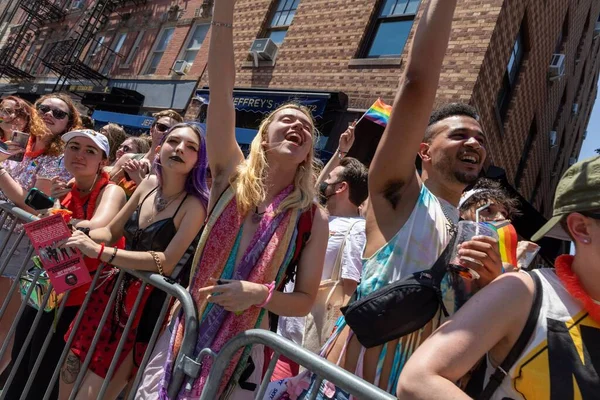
x=507 y=240
x=378 y=113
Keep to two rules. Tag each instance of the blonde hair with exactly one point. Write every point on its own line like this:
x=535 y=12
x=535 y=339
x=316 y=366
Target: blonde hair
x=248 y=182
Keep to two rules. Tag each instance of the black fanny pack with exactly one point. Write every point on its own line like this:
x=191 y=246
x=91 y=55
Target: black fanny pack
x=401 y=308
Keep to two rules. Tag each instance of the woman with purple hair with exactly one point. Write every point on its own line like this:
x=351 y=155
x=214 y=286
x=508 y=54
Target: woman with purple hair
x=161 y=223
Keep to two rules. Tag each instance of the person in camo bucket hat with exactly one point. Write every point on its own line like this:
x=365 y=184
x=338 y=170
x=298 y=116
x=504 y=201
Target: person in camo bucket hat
x=578 y=191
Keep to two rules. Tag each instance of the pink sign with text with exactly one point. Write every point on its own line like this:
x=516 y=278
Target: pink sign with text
x=65 y=266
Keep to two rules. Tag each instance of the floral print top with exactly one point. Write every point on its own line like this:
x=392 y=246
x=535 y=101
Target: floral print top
x=25 y=172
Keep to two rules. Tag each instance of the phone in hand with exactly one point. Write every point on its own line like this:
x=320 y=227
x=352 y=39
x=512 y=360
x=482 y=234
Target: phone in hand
x=21 y=139
x=38 y=200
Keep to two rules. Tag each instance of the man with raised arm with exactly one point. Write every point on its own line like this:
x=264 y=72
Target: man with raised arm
x=410 y=219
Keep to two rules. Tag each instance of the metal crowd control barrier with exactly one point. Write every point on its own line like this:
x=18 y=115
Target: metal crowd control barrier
x=184 y=365
x=324 y=369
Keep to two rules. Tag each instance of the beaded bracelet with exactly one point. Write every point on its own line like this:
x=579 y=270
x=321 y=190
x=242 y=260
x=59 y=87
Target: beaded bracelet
x=114 y=254
x=271 y=287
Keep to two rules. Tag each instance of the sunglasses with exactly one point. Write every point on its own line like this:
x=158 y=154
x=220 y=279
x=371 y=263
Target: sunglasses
x=56 y=113
x=161 y=127
x=125 y=148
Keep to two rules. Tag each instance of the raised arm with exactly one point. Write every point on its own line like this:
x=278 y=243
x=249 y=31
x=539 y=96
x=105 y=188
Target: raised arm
x=344 y=146
x=224 y=154
x=393 y=167
x=13 y=191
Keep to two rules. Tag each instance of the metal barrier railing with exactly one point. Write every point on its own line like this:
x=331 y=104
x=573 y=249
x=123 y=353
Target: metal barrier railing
x=324 y=370
x=184 y=364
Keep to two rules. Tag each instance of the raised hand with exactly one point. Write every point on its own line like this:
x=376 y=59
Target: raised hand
x=347 y=139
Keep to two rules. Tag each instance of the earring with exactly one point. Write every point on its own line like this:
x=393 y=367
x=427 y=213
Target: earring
x=586 y=241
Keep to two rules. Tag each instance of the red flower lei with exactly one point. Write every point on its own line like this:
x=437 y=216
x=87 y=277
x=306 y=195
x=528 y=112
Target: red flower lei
x=29 y=150
x=75 y=202
x=574 y=287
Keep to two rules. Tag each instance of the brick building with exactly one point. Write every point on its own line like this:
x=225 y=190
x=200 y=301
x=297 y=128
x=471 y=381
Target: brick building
x=339 y=57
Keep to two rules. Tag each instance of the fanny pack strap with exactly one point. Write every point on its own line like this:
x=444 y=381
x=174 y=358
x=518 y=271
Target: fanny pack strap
x=502 y=371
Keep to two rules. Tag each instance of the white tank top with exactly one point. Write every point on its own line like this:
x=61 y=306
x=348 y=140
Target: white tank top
x=562 y=359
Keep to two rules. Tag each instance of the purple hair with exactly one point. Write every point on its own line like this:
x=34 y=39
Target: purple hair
x=195 y=184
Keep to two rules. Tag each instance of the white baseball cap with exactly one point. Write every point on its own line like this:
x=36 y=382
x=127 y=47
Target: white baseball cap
x=99 y=139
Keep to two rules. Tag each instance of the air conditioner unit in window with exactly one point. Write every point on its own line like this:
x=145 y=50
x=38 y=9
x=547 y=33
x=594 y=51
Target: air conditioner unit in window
x=263 y=49
x=572 y=161
x=557 y=67
x=181 y=67
x=553 y=138
x=597 y=30
x=575 y=109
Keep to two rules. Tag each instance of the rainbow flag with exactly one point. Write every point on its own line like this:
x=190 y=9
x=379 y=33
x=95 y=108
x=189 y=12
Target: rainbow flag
x=379 y=113
x=507 y=240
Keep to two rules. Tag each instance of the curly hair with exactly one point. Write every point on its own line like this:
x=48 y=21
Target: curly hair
x=447 y=111
x=56 y=146
x=24 y=109
x=489 y=190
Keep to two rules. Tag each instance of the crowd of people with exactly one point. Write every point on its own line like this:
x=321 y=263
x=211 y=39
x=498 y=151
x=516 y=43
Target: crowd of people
x=275 y=241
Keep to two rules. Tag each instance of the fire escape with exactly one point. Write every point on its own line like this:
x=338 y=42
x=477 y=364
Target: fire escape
x=65 y=57
x=37 y=13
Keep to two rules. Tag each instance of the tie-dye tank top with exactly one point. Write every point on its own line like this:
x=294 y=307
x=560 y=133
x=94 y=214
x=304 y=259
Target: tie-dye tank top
x=415 y=247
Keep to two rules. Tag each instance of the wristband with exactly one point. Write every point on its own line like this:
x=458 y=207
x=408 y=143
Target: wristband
x=100 y=252
x=341 y=154
x=271 y=287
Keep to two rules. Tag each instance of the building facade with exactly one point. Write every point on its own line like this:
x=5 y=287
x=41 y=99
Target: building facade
x=530 y=67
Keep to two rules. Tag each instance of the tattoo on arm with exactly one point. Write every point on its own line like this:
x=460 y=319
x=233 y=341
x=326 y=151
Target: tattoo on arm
x=70 y=369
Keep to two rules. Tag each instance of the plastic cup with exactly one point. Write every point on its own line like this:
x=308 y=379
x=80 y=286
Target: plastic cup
x=524 y=262
x=466 y=231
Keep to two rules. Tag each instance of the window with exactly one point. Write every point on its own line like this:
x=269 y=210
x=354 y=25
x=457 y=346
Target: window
x=95 y=48
x=282 y=19
x=195 y=42
x=134 y=50
x=392 y=27
x=118 y=45
x=159 y=49
x=525 y=154
x=510 y=76
x=29 y=57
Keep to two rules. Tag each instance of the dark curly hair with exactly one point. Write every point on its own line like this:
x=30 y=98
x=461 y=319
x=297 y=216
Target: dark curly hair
x=447 y=111
x=492 y=190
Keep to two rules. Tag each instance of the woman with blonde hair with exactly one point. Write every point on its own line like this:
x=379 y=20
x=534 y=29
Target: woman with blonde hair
x=260 y=209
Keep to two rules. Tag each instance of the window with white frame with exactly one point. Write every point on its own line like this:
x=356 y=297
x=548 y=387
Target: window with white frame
x=134 y=50
x=159 y=49
x=281 y=20
x=194 y=42
x=114 y=54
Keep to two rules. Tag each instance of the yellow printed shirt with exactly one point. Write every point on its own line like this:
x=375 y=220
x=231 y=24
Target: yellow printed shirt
x=562 y=360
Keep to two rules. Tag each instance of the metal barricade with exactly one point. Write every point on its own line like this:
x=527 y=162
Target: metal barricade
x=184 y=364
x=323 y=369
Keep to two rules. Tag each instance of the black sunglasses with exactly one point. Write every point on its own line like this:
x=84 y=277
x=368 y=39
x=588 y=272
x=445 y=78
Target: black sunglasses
x=56 y=113
x=161 y=127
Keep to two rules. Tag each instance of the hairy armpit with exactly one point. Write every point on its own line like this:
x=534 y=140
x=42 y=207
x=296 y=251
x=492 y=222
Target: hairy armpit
x=393 y=192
